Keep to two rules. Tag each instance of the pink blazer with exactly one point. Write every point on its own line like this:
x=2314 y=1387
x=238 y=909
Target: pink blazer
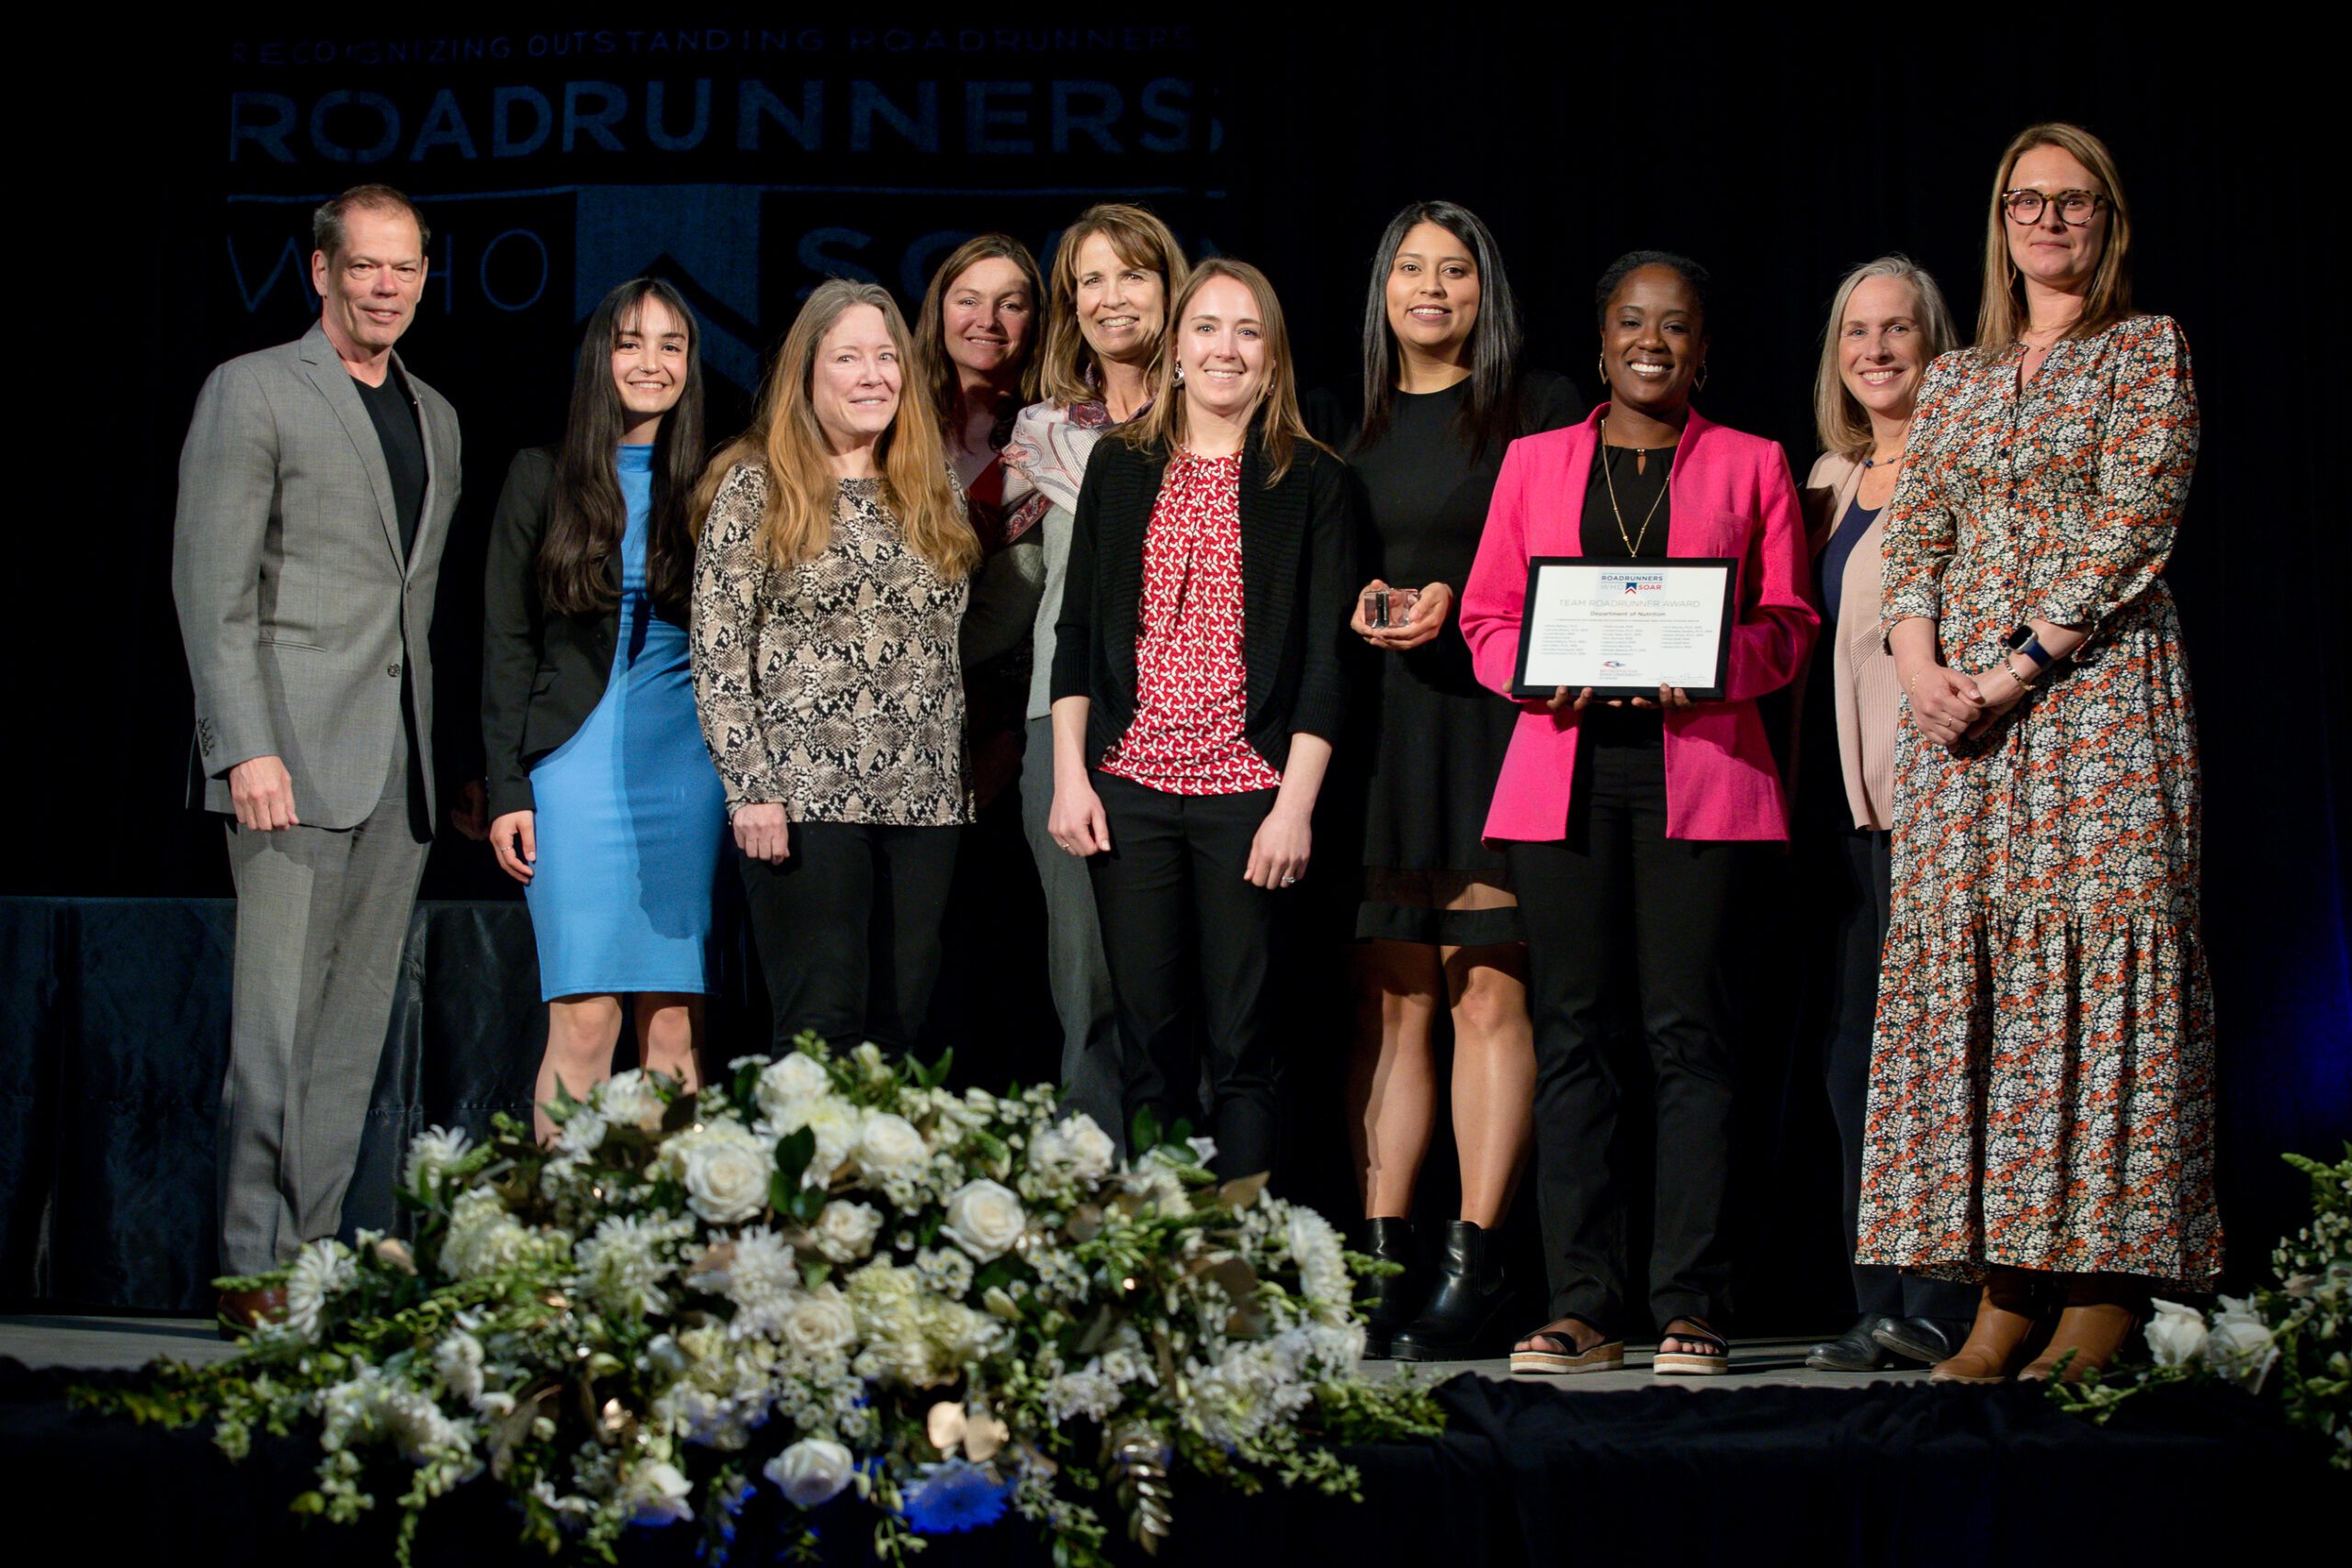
x=1731 y=494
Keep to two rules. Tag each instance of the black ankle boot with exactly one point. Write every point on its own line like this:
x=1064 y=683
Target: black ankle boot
x=1391 y=1300
x=1468 y=1315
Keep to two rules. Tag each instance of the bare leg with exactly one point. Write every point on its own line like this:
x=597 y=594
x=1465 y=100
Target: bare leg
x=670 y=1024
x=1392 y=1079
x=581 y=1033
x=1494 y=1075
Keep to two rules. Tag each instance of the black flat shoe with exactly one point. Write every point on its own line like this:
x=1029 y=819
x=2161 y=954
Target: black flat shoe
x=1391 y=1300
x=1469 y=1315
x=1855 y=1350
x=1927 y=1340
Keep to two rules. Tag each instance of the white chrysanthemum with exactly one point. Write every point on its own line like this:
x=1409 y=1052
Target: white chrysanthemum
x=844 y=1231
x=458 y=1362
x=1314 y=1247
x=796 y=1078
x=322 y=1271
x=484 y=1237
x=624 y=1264
x=629 y=1100
x=581 y=1134
x=759 y=1278
x=724 y=1167
x=430 y=1154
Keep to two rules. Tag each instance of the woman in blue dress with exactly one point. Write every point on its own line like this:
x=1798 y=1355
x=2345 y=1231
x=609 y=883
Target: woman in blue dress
x=603 y=802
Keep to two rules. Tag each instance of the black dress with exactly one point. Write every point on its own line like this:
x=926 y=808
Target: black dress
x=1440 y=736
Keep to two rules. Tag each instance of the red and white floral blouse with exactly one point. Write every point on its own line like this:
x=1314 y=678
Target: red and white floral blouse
x=1191 y=685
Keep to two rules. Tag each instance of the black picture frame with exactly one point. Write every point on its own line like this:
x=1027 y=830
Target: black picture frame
x=1728 y=565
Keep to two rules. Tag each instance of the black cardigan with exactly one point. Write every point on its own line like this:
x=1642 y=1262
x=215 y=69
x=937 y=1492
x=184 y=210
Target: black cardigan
x=542 y=675
x=1298 y=543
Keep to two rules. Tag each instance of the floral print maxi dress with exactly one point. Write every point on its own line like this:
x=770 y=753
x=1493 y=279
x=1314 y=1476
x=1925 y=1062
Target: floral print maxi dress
x=2042 y=1081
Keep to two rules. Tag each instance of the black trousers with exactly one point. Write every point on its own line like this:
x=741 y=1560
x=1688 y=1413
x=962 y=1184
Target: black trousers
x=1863 y=870
x=1617 y=898
x=847 y=929
x=1193 y=950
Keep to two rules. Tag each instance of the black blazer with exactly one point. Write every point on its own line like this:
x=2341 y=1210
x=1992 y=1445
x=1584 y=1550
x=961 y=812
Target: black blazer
x=542 y=675
x=1298 y=544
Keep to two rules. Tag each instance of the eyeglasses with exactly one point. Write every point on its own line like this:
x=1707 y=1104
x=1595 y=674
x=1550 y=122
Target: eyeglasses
x=2076 y=206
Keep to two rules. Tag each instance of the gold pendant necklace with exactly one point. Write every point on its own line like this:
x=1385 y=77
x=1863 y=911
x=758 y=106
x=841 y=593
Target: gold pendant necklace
x=1632 y=541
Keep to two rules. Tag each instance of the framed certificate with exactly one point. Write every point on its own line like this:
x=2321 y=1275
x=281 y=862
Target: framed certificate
x=1625 y=627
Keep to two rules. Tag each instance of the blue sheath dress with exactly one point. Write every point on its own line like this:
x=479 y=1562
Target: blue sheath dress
x=631 y=816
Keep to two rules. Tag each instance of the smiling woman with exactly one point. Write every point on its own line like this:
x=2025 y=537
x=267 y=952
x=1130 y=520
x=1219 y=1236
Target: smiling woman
x=1626 y=825
x=828 y=589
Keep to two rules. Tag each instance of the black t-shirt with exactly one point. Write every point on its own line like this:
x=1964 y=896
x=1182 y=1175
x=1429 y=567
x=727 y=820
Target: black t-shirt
x=1640 y=485
x=392 y=410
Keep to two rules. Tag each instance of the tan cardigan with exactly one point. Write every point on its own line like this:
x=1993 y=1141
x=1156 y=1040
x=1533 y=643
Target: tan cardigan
x=1869 y=699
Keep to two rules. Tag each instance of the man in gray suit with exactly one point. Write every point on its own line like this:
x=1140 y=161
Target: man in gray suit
x=316 y=488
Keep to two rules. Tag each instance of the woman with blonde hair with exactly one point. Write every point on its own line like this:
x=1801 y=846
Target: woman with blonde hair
x=1886 y=324
x=2041 y=1085
x=829 y=588
x=1197 y=693
x=1114 y=272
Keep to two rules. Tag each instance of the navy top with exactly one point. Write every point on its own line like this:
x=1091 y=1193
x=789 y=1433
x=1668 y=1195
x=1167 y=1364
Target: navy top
x=1836 y=553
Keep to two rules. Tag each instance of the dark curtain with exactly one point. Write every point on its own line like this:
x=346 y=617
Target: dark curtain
x=171 y=184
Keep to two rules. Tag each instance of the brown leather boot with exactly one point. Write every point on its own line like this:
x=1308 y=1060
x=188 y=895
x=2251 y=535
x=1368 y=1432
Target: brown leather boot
x=2101 y=1312
x=2005 y=1319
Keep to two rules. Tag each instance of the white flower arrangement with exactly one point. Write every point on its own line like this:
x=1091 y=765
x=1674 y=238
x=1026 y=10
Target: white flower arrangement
x=2294 y=1340
x=829 y=1278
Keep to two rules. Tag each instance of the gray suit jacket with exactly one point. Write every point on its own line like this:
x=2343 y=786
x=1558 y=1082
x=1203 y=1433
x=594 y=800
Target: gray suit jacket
x=299 y=616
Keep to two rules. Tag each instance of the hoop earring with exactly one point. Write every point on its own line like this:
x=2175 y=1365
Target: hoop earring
x=1600 y=364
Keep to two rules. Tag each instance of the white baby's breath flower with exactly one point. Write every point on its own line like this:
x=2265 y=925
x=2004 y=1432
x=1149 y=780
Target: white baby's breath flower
x=629 y=1100
x=2176 y=1334
x=945 y=1270
x=984 y=1218
x=322 y=1271
x=810 y=1472
x=845 y=1231
x=724 y=1167
x=457 y=1362
x=430 y=1154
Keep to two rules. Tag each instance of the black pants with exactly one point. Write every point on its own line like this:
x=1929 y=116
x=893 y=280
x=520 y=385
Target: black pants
x=1616 y=896
x=1864 y=872
x=1193 y=950
x=847 y=929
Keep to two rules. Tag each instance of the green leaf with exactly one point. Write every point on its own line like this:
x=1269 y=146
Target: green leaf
x=1143 y=1135
x=807 y=1203
x=793 y=1153
x=681 y=1112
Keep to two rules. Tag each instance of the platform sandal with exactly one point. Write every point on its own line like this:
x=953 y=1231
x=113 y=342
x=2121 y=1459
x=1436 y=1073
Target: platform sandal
x=1712 y=1360
x=1605 y=1355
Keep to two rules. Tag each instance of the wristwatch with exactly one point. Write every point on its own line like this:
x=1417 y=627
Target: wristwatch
x=2022 y=640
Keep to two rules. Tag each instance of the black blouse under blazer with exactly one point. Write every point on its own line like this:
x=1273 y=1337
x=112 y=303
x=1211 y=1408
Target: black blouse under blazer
x=1298 y=543
x=542 y=675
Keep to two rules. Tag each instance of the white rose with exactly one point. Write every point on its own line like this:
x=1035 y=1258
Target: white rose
x=819 y=1322
x=628 y=1099
x=656 y=1494
x=1078 y=1147
x=2176 y=1334
x=811 y=1471
x=796 y=1078
x=2239 y=1347
x=984 y=1218
x=725 y=1170
x=835 y=1125
x=845 y=1231
x=888 y=1144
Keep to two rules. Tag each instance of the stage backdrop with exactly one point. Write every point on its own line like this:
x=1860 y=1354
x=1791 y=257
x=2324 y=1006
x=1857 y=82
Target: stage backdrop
x=174 y=174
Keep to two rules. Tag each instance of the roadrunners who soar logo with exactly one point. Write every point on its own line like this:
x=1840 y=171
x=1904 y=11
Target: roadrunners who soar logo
x=1633 y=582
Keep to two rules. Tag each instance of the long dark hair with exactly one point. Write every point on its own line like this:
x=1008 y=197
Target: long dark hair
x=936 y=371
x=1489 y=418
x=586 y=514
